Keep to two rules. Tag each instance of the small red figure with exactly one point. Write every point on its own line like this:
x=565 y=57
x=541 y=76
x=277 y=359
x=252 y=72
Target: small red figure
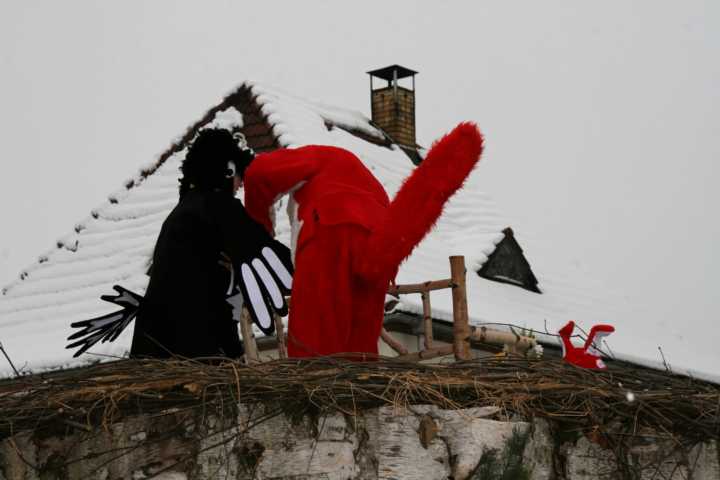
x=587 y=356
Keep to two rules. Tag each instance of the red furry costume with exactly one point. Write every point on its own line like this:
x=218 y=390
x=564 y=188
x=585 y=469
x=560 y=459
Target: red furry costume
x=351 y=238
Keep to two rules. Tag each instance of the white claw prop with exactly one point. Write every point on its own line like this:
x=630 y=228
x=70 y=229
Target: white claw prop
x=255 y=296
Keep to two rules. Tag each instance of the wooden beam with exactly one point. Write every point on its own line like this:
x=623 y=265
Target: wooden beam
x=517 y=344
x=420 y=287
x=461 y=325
x=427 y=354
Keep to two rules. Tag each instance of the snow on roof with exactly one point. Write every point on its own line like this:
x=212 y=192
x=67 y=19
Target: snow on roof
x=114 y=244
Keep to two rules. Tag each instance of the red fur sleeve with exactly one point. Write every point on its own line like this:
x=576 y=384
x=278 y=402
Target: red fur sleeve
x=273 y=174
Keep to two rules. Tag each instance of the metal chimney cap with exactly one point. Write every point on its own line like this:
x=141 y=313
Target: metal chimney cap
x=386 y=73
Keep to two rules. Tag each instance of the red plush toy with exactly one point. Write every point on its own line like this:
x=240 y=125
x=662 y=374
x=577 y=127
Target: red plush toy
x=348 y=237
x=587 y=356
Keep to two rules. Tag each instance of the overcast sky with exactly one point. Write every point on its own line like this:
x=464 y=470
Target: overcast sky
x=602 y=119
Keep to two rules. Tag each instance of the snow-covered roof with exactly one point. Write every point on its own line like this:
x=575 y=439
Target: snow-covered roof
x=115 y=243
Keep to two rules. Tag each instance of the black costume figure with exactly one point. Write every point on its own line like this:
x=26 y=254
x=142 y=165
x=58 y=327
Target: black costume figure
x=208 y=248
x=184 y=310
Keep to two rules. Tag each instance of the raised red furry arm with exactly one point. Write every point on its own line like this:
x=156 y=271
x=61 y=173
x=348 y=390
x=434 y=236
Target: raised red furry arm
x=420 y=200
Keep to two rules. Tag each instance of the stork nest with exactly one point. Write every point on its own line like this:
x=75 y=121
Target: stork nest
x=631 y=399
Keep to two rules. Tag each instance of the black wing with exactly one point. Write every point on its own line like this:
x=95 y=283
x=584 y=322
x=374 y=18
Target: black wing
x=106 y=328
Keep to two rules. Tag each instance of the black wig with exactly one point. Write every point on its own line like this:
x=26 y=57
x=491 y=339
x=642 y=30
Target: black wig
x=205 y=167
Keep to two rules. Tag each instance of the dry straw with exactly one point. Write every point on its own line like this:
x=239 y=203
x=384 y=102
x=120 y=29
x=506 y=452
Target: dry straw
x=623 y=400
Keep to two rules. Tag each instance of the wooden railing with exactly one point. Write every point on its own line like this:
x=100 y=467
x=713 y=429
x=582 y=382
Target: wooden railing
x=463 y=333
x=461 y=328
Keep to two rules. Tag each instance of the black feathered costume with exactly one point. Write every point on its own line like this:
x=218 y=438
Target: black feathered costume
x=208 y=249
x=185 y=309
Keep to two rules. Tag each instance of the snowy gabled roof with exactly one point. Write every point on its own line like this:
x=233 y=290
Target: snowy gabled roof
x=114 y=244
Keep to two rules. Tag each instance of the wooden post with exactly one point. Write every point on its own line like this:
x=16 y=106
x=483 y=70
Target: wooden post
x=280 y=335
x=392 y=342
x=251 y=350
x=461 y=326
x=427 y=320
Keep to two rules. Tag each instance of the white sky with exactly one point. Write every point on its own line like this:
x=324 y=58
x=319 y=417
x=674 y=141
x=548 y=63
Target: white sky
x=602 y=118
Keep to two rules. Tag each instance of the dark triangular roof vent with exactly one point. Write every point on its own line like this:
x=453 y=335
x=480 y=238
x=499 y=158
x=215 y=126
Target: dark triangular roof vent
x=507 y=264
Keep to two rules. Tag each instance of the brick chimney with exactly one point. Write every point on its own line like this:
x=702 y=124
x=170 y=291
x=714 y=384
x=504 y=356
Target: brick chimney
x=393 y=106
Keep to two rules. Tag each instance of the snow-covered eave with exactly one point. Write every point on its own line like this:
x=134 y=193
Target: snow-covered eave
x=664 y=367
